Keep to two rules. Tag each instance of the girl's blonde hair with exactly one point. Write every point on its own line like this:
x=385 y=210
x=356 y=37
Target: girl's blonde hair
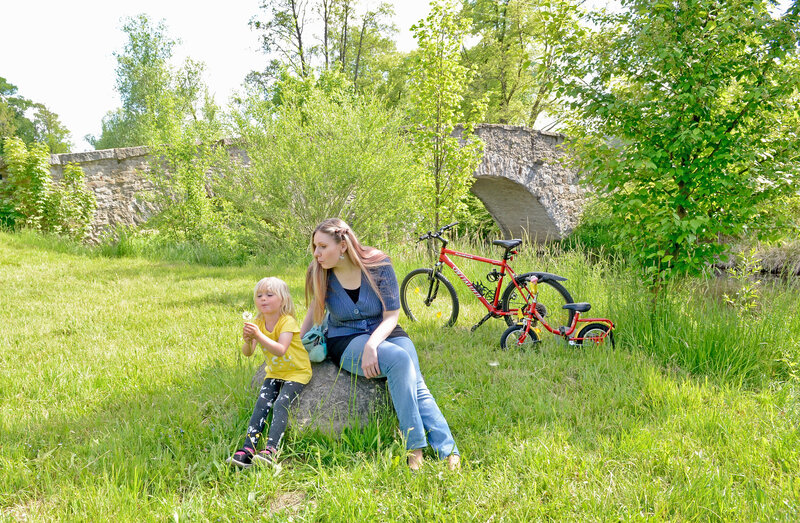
x=362 y=257
x=279 y=287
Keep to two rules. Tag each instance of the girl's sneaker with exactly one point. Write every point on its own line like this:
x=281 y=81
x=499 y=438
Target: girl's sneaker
x=242 y=458
x=265 y=457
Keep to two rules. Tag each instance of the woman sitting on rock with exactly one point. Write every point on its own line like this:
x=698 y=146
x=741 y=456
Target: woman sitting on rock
x=358 y=287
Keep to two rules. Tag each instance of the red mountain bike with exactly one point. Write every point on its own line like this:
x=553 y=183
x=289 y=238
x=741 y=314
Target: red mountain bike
x=428 y=296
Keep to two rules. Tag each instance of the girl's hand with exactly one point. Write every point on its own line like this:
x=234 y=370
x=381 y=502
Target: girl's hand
x=369 y=361
x=250 y=331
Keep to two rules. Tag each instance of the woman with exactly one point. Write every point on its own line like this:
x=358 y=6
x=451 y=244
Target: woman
x=358 y=287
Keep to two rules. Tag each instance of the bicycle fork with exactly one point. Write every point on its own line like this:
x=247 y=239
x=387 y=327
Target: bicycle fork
x=433 y=287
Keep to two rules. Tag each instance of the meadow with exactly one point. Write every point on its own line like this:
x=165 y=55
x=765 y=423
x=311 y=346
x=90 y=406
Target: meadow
x=122 y=391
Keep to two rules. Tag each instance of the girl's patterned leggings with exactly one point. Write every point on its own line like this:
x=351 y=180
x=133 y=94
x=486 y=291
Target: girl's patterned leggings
x=277 y=395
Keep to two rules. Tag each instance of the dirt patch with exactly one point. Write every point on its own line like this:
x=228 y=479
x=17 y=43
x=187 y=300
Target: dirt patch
x=287 y=501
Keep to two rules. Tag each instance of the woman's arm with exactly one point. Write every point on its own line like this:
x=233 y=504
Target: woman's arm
x=369 y=358
x=276 y=348
x=308 y=321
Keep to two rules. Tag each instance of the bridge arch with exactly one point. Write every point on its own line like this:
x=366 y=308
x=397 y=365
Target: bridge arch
x=525 y=184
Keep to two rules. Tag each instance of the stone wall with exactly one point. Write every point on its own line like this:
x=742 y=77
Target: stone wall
x=118 y=179
x=520 y=181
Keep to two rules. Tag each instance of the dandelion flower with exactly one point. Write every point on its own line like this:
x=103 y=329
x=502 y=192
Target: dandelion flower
x=247 y=315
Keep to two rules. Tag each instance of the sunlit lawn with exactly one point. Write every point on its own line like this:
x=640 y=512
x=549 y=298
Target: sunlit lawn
x=122 y=392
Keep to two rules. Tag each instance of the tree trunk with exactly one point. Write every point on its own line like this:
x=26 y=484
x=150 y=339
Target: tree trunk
x=360 y=46
x=298 y=34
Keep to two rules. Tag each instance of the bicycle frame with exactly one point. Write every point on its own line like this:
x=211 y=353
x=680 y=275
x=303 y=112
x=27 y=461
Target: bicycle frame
x=505 y=270
x=529 y=314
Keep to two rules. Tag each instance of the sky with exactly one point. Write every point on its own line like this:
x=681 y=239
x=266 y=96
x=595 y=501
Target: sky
x=60 y=53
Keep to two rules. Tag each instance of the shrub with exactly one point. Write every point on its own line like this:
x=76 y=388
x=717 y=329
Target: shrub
x=317 y=157
x=31 y=199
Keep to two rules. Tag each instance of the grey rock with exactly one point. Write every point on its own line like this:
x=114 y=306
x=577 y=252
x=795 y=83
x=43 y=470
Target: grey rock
x=334 y=399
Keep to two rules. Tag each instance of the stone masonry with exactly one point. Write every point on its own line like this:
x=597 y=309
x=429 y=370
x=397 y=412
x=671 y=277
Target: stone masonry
x=524 y=185
x=520 y=181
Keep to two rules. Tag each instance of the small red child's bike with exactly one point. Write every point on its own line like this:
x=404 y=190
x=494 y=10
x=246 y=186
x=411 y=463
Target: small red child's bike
x=526 y=333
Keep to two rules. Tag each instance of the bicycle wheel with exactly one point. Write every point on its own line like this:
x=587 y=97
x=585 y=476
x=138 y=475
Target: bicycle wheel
x=511 y=338
x=552 y=295
x=595 y=334
x=429 y=300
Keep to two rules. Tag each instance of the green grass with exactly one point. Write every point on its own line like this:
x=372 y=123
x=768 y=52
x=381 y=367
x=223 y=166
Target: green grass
x=122 y=391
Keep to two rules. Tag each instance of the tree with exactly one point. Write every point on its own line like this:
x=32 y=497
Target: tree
x=282 y=34
x=370 y=45
x=44 y=127
x=520 y=49
x=320 y=154
x=438 y=83
x=29 y=197
x=350 y=42
x=156 y=98
x=49 y=130
x=684 y=124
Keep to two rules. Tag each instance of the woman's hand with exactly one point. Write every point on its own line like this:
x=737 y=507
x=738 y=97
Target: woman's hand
x=369 y=361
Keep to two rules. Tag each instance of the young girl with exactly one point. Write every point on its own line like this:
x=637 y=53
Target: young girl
x=288 y=369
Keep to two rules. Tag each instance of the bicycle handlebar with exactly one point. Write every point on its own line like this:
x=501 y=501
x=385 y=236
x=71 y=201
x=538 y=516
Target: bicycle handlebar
x=437 y=234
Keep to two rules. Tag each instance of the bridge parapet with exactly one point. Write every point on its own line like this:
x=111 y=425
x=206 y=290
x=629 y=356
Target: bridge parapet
x=520 y=181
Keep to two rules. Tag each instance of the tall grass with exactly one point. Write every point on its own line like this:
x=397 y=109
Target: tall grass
x=122 y=391
x=688 y=326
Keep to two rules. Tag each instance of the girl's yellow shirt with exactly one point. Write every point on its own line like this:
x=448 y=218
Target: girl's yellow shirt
x=294 y=365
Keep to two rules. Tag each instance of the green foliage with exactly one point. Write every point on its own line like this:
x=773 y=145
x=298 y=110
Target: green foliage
x=345 y=37
x=359 y=43
x=29 y=183
x=31 y=199
x=438 y=84
x=744 y=274
x=519 y=53
x=316 y=156
x=683 y=124
x=44 y=127
x=183 y=173
x=157 y=99
x=50 y=131
x=282 y=34
x=595 y=232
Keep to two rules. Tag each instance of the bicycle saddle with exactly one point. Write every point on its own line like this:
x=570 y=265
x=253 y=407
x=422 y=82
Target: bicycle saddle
x=507 y=244
x=577 y=307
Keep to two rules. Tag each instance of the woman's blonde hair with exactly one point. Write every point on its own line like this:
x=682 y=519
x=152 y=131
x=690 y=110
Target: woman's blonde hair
x=279 y=287
x=362 y=257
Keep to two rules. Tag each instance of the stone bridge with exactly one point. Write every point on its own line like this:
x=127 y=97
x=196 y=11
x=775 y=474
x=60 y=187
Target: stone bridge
x=520 y=181
x=524 y=185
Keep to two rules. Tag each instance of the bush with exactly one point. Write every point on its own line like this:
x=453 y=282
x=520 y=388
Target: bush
x=29 y=197
x=317 y=157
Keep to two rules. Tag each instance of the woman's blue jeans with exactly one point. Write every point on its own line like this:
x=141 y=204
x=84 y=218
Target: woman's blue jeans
x=419 y=416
